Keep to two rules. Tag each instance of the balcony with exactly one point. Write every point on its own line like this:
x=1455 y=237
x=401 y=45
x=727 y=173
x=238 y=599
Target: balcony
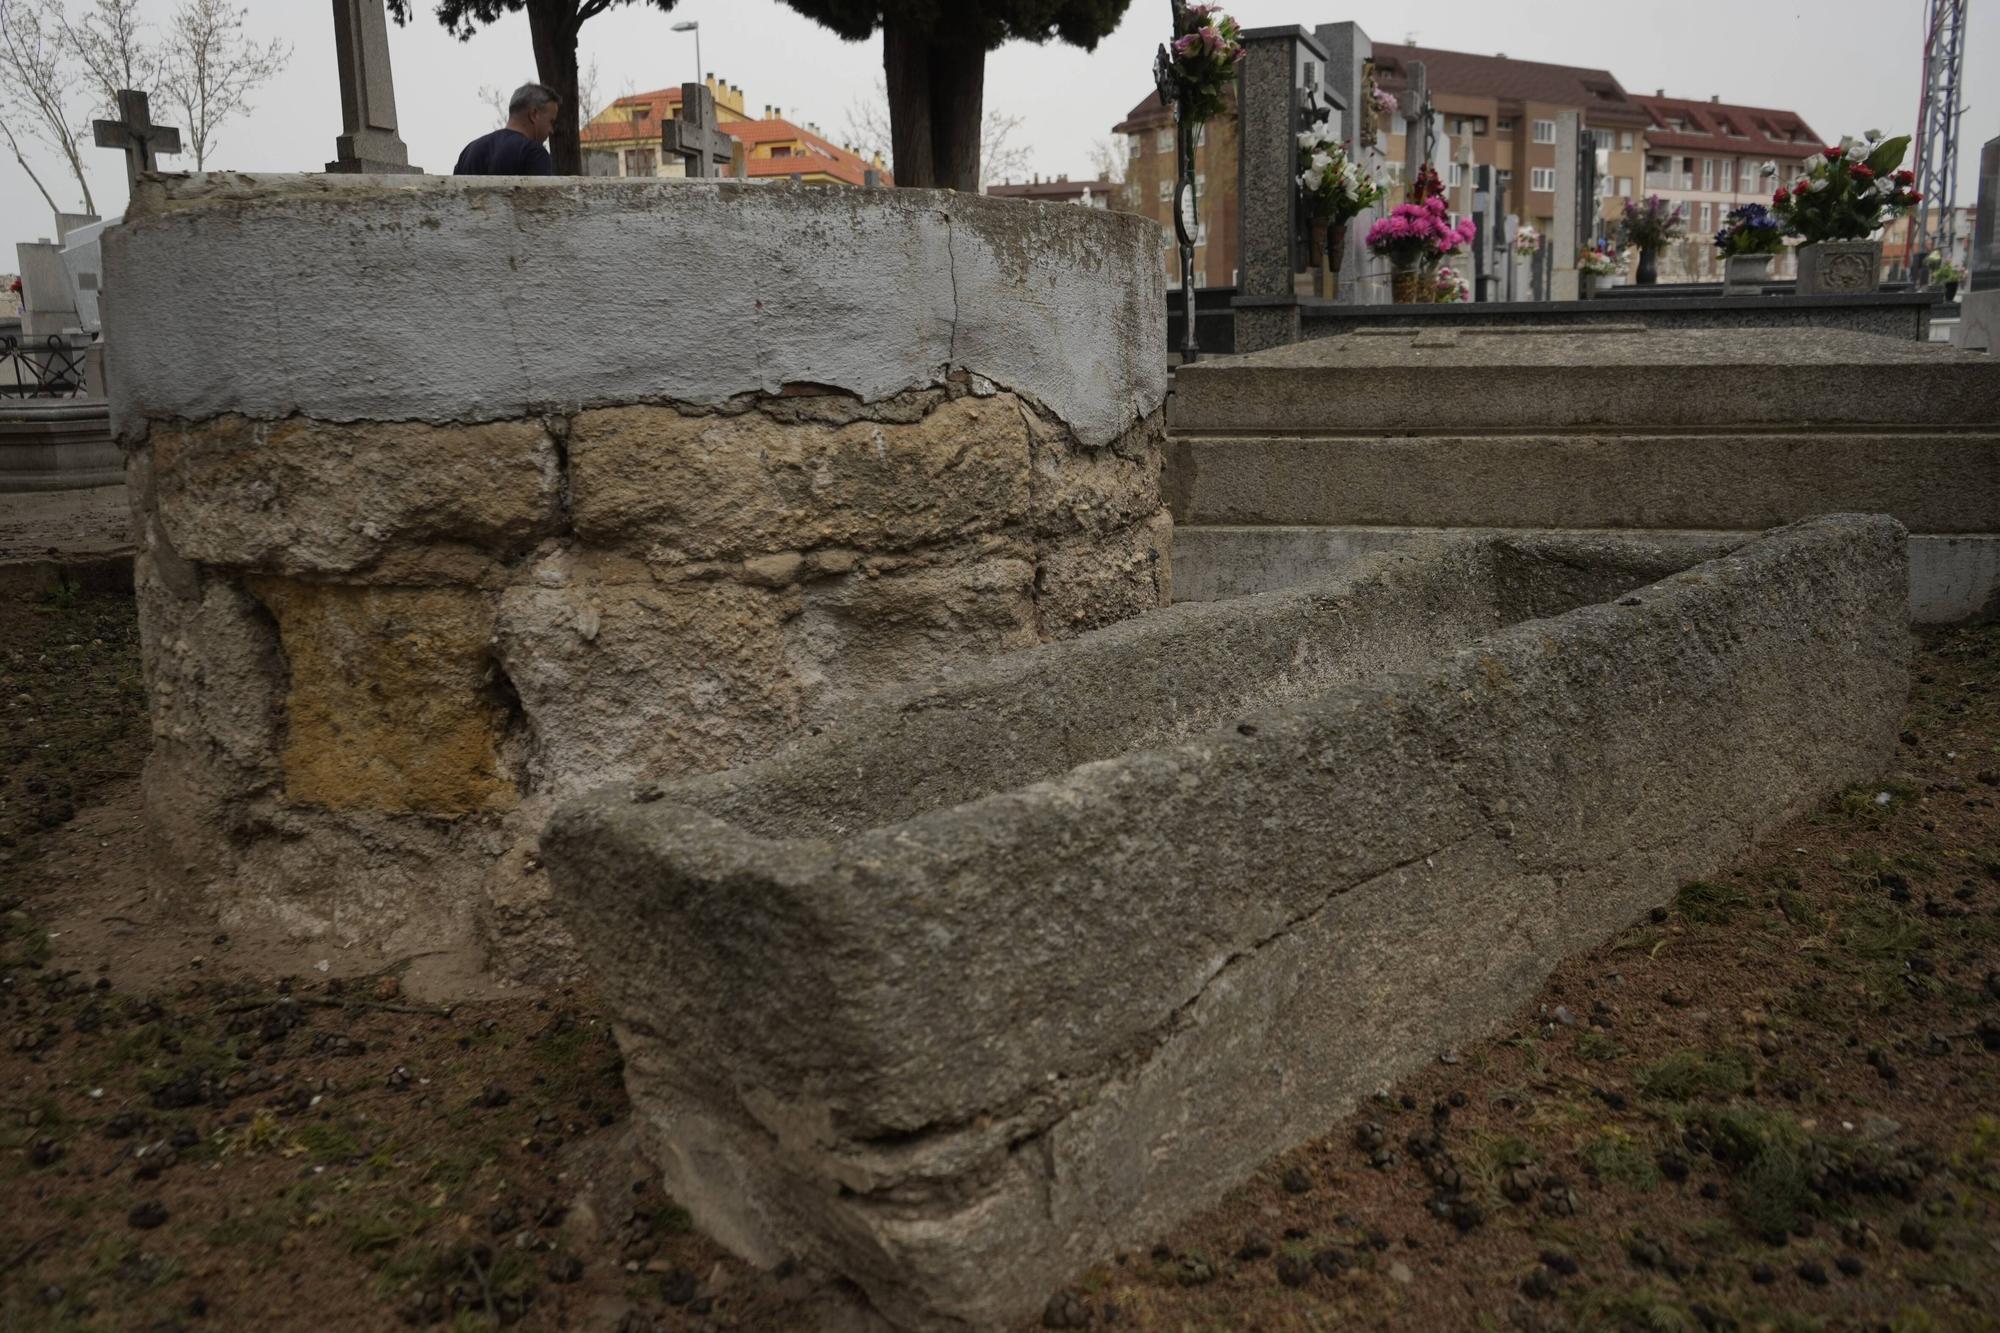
x=1670 y=180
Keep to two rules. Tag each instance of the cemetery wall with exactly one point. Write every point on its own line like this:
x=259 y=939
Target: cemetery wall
x=455 y=498
x=1058 y=950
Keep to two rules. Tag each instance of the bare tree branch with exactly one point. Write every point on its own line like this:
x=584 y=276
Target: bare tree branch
x=211 y=69
x=37 y=84
x=999 y=158
x=110 y=44
x=14 y=146
x=1108 y=158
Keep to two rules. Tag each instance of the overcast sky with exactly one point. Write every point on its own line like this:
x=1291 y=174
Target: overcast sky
x=1846 y=65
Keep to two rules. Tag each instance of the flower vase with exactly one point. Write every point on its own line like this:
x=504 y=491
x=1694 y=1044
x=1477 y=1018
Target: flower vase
x=1649 y=268
x=1840 y=268
x=1745 y=275
x=1406 y=285
x=1950 y=292
x=1333 y=249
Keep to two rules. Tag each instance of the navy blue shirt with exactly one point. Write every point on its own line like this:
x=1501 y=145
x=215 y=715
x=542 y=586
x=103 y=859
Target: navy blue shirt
x=505 y=152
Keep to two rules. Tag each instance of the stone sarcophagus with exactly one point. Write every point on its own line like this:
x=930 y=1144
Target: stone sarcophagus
x=457 y=497
x=1011 y=969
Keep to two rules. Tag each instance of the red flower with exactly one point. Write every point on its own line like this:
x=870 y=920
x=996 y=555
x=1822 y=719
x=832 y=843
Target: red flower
x=1802 y=186
x=1916 y=198
x=1906 y=178
x=1778 y=200
x=1861 y=170
x=1835 y=153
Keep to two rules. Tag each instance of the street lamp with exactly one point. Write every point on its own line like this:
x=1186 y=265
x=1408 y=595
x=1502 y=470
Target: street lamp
x=695 y=28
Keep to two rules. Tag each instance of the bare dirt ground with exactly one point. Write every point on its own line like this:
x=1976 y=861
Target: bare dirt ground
x=1773 y=1105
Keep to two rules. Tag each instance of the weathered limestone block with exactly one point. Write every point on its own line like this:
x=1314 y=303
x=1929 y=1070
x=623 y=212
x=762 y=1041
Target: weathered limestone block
x=308 y=497
x=423 y=564
x=713 y=487
x=622 y=679
x=1008 y=971
x=391 y=704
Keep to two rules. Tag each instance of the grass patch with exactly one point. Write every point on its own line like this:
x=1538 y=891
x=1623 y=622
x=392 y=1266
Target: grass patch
x=1878 y=933
x=1687 y=1075
x=1709 y=903
x=1597 y=1046
x=328 y=1142
x=1617 y=1156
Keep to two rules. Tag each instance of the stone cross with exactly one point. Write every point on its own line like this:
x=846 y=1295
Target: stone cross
x=135 y=133
x=368 y=142
x=1415 y=105
x=694 y=137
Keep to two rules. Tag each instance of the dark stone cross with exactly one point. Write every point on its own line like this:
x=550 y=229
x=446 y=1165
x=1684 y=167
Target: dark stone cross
x=693 y=135
x=135 y=133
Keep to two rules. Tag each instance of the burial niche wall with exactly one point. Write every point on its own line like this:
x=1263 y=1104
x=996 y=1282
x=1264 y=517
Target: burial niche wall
x=456 y=498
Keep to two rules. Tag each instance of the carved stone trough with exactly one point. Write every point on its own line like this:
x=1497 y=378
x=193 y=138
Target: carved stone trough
x=1010 y=970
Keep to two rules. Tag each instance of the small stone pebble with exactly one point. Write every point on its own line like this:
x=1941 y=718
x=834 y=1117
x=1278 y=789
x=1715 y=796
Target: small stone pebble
x=1539 y=1285
x=1849 y=1264
x=1917 y=1234
x=1298 y=1180
x=1763 y=1275
x=1292 y=1270
x=565 y=1268
x=1066 y=1310
x=1814 y=1272
x=1559 y=1263
x=147 y=1215
x=1255 y=1246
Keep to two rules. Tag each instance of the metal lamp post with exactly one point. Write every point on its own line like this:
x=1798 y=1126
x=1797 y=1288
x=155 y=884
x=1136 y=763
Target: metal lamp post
x=694 y=26
x=1179 y=97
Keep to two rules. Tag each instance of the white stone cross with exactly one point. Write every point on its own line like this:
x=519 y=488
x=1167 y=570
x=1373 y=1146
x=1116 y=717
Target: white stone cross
x=368 y=142
x=135 y=133
x=693 y=135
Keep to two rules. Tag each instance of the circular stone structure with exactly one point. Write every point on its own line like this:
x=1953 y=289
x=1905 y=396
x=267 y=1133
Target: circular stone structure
x=458 y=497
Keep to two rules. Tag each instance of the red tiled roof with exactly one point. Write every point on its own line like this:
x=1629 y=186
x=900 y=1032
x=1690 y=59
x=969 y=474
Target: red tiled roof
x=1709 y=126
x=1595 y=92
x=1152 y=113
x=819 y=157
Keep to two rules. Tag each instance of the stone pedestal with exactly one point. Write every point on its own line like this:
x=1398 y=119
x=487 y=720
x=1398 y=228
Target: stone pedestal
x=369 y=143
x=601 y=481
x=1270 y=101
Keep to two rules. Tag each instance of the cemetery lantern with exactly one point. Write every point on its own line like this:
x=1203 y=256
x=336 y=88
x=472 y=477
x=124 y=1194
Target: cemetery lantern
x=1192 y=72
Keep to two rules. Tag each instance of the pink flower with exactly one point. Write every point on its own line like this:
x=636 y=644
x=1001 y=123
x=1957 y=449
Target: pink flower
x=1211 y=39
x=1188 y=45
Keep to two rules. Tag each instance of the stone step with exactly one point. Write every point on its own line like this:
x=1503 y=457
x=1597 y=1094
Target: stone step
x=1611 y=377
x=1932 y=480
x=1952 y=577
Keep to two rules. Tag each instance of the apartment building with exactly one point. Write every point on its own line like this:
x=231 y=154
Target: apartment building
x=1150 y=170
x=1707 y=157
x=624 y=140
x=1100 y=193
x=1506 y=110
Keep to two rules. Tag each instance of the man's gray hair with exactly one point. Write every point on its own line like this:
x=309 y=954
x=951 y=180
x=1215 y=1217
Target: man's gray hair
x=531 y=97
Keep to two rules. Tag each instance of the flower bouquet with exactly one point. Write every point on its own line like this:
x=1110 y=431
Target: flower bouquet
x=1945 y=274
x=1650 y=228
x=1335 y=190
x=1414 y=238
x=1599 y=260
x=1751 y=234
x=1526 y=241
x=1206 y=48
x=1851 y=189
x=1449 y=286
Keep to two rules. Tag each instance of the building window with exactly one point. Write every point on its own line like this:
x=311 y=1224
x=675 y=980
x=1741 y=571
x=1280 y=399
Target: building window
x=1729 y=175
x=1601 y=139
x=1201 y=135
x=1468 y=125
x=1708 y=173
x=1164 y=141
x=1457 y=175
x=1138 y=144
x=641 y=161
x=1545 y=131
x=1506 y=179
x=1625 y=142
x=1624 y=187
x=1506 y=124
x=1708 y=217
x=1543 y=178
x=1201 y=232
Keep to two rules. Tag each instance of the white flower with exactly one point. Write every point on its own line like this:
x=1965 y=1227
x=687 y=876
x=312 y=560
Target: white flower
x=1819 y=183
x=1874 y=136
x=1770 y=169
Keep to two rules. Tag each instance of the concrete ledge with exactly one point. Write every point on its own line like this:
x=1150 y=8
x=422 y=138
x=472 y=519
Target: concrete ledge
x=1932 y=481
x=1624 y=378
x=1902 y=315
x=1005 y=972
x=493 y=299
x=1952 y=578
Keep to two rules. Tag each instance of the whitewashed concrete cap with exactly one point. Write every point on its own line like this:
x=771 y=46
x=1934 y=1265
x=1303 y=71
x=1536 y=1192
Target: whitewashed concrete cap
x=349 y=298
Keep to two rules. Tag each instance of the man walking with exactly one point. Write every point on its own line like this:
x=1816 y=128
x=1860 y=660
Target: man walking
x=515 y=149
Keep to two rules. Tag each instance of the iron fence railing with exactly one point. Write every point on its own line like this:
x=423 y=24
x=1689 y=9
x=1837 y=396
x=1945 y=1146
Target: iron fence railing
x=47 y=367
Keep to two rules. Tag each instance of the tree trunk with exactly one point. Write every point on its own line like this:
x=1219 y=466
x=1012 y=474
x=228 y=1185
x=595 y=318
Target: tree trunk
x=958 y=103
x=552 y=26
x=906 y=67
